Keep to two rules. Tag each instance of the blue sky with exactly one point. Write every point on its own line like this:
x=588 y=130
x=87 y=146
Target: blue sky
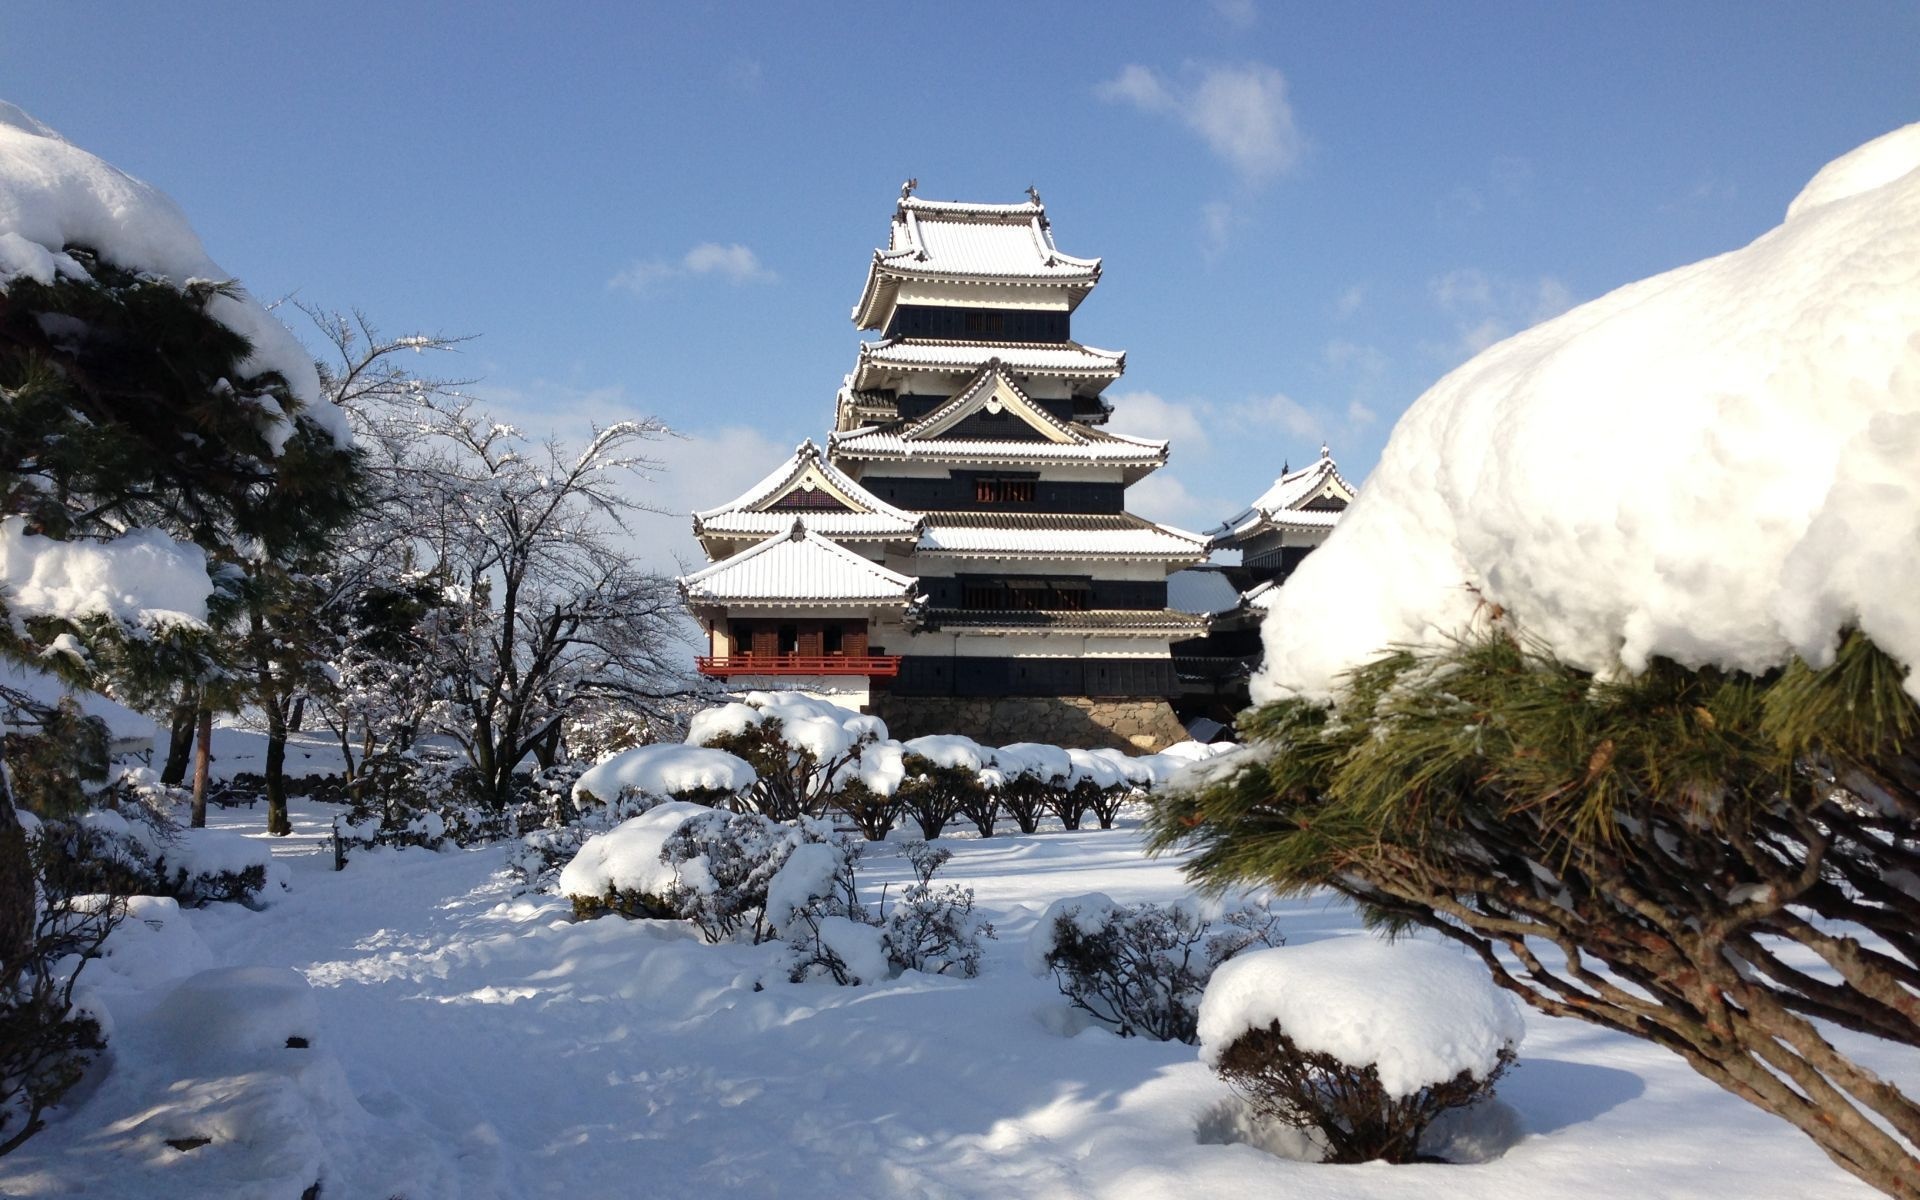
x=1308 y=212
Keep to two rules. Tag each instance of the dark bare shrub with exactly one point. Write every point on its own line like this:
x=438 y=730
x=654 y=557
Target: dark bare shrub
x=1356 y=1116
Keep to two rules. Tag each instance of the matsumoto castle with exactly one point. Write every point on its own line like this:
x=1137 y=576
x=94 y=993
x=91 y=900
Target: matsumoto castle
x=958 y=555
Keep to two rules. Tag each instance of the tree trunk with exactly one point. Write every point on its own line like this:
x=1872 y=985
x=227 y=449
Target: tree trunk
x=202 y=758
x=16 y=879
x=299 y=714
x=278 y=823
x=179 y=741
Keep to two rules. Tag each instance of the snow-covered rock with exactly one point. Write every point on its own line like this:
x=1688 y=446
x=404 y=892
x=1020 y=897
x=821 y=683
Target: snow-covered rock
x=1418 y=1012
x=1720 y=464
x=665 y=769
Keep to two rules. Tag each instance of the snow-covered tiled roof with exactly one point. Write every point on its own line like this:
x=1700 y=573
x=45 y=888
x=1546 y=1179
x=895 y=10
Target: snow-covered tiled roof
x=977 y=243
x=797 y=567
x=1282 y=506
x=1100 y=447
x=1122 y=622
x=993 y=388
x=1200 y=590
x=748 y=514
x=891 y=356
x=1000 y=534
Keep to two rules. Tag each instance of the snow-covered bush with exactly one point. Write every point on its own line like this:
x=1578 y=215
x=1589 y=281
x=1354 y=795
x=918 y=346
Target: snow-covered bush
x=798 y=747
x=1032 y=775
x=105 y=852
x=723 y=864
x=868 y=789
x=665 y=770
x=948 y=776
x=623 y=870
x=815 y=903
x=1362 y=1041
x=46 y=1039
x=933 y=794
x=1141 y=968
x=690 y=862
x=935 y=930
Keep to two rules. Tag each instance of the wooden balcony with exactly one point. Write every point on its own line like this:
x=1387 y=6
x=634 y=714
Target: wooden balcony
x=874 y=666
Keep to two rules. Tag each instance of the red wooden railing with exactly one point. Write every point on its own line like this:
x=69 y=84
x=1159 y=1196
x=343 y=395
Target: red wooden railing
x=882 y=666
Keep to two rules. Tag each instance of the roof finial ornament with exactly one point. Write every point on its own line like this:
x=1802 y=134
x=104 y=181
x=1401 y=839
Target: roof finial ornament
x=1286 y=468
x=1033 y=194
x=799 y=533
x=1324 y=451
x=906 y=189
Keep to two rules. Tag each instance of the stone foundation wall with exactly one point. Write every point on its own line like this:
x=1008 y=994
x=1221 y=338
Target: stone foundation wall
x=1136 y=726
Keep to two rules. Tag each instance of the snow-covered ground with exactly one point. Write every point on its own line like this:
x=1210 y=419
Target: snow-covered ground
x=466 y=1042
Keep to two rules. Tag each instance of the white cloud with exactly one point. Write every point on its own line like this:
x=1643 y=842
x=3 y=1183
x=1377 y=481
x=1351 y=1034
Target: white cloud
x=734 y=263
x=1488 y=308
x=1240 y=112
x=693 y=469
x=1162 y=497
x=1149 y=415
x=1217 y=219
x=1280 y=412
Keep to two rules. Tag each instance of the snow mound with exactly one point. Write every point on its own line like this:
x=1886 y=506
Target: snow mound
x=1418 y=1012
x=234 y=1014
x=1719 y=465
x=1879 y=162
x=627 y=857
x=54 y=195
x=665 y=769
x=154 y=943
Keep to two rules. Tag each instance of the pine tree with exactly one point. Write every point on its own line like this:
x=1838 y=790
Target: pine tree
x=1661 y=855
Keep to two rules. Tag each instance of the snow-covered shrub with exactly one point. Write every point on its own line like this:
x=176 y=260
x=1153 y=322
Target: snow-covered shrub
x=815 y=903
x=935 y=930
x=1033 y=774
x=799 y=747
x=867 y=789
x=723 y=864
x=1133 y=778
x=105 y=852
x=690 y=862
x=546 y=848
x=1141 y=968
x=1362 y=1041
x=622 y=870
x=46 y=1039
x=933 y=794
x=873 y=813
x=667 y=770
x=950 y=776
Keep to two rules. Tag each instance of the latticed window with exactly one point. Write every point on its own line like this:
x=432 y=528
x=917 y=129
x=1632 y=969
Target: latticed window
x=817 y=498
x=995 y=489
